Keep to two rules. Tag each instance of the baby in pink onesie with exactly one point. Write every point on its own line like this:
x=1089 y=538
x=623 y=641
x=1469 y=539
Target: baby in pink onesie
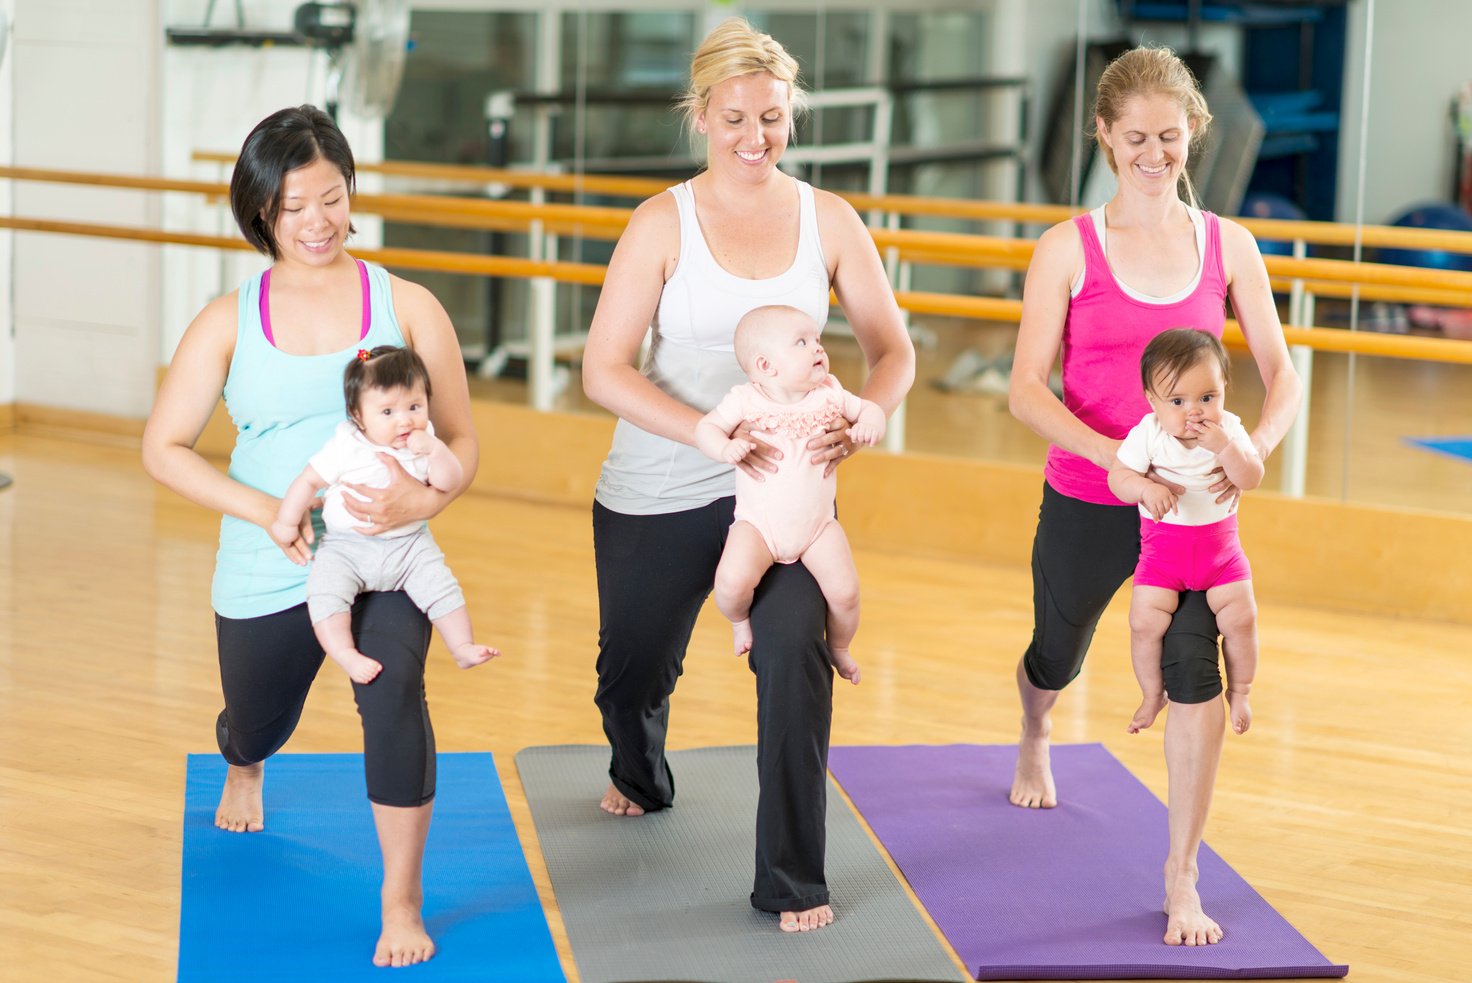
x=787 y=516
x=1188 y=541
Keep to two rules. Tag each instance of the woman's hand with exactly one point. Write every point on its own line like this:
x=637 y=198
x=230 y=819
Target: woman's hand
x=403 y=500
x=833 y=446
x=1224 y=489
x=295 y=541
x=762 y=459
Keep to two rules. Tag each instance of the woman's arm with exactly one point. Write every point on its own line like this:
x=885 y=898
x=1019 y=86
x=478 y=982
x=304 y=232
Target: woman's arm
x=191 y=389
x=1045 y=299
x=427 y=329
x=642 y=261
x=1252 y=302
x=864 y=294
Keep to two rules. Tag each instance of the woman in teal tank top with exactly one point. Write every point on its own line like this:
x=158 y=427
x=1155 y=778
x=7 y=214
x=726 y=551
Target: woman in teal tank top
x=275 y=350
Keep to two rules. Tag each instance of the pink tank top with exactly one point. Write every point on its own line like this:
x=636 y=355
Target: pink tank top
x=1103 y=338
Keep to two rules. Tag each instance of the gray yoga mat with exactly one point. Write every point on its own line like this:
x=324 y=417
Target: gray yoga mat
x=665 y=896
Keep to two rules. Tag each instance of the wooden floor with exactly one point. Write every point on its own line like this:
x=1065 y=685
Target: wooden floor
x=1346 y=806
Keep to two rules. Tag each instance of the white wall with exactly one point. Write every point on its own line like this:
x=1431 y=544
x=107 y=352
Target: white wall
x=91 y=85
x=85 y=309
x=7 y=239
x=1418 y=61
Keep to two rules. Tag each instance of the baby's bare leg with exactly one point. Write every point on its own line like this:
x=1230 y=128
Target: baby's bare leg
x=744 y=562
x=1150 y=612
x=831 y=563
x=454 y=628
x=336 y=635
x=1236 y=617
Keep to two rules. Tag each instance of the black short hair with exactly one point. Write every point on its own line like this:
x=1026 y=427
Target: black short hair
x=282 y=142
x=385 y=367
x=1172 y=352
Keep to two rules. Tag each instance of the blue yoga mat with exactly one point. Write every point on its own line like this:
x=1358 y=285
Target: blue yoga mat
x=299 y=901
x=1460 y=447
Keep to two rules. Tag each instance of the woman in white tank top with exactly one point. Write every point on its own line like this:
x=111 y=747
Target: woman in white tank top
x=692 y=261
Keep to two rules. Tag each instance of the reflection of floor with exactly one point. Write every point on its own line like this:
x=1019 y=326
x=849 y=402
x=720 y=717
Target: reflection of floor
x=1363 y=411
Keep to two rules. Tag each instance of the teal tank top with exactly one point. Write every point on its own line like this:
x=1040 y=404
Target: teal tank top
x=285 y=408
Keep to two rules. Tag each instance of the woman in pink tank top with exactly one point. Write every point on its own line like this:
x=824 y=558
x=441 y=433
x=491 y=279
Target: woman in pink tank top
x=1098 y=300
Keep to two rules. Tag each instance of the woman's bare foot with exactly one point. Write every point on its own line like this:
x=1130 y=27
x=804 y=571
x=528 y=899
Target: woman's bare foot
x=470 y=655
x=805 y=921
x=741 y=636
x=1032 y=783
x=1186 y=923
x=357 y=665
x=240 y=809
x=1147 y=711
x=404 y=941
x=617 y=804
x=844 y=664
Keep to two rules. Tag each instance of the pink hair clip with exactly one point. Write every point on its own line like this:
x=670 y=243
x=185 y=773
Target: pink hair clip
x=364 y=354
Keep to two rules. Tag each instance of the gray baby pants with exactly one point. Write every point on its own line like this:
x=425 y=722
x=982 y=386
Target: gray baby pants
x=349 y=564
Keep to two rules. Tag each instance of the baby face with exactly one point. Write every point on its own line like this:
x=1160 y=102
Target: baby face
x=795 y=352
x=1198 y=394
x=389 y=416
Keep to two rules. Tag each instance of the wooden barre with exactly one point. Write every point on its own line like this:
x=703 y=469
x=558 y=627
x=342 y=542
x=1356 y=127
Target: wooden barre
x=977 y=308
x=940 y=248
x=1266 y=230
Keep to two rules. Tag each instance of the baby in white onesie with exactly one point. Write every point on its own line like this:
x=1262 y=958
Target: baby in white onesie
x=787 y=516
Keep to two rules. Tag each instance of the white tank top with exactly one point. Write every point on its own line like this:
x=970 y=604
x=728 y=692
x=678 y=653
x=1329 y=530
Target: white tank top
x=692 y=358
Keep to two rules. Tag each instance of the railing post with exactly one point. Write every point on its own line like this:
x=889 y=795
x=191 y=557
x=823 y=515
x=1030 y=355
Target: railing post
x=1295 y=442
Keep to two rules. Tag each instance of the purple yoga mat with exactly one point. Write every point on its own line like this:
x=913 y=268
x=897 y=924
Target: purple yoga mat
x=1071 y=893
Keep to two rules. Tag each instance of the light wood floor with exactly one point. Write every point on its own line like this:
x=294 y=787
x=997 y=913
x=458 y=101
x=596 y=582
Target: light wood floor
x=1346 y=806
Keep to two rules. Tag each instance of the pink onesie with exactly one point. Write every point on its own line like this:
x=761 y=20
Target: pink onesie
x=792 y=507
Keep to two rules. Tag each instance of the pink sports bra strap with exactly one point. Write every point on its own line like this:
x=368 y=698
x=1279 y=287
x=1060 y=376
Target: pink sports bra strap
x=266 y=304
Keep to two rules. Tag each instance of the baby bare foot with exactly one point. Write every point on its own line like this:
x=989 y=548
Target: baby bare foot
x=404 y=941
x=357 y=665
x=741 y=635
x=844 y=665
x=1032 y=783
x=1239 y=712
x=805 y=921
x=470 y=655
x=1146 y=713
x=617 y=804
x=240 y=809
x=1186 y=923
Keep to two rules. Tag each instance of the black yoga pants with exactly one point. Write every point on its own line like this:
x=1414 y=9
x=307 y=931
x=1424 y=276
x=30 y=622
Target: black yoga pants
x=654 y=573
x=1080 y=556
x=267 y=664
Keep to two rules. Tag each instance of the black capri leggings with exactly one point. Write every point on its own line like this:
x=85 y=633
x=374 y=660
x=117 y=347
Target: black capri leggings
x=1080 y=556
x=654 y=573
x=267 y=664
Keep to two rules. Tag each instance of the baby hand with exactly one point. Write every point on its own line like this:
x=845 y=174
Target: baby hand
x=420 y=442
x=1209 y=434
x=736 y=450
x=1158 y=500
x=868 y=428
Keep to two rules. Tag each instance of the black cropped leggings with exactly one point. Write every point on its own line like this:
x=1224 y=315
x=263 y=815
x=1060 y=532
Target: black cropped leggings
x=267 y=664
x=1080 y=556
x=654 y=573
